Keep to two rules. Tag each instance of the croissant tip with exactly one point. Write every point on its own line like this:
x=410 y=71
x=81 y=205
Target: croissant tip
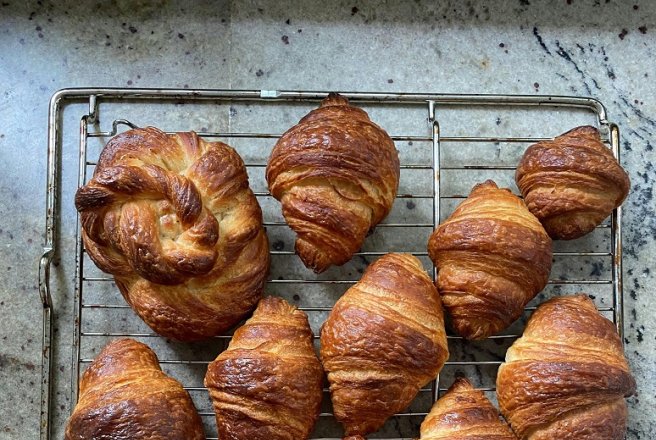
x=583 y=130
x=461 y=382
x=473 y=330
x=334 y=98
x=311 y=256
x=459 y=385
x=580 y=297
x=277 y=304
x=489 y=183
x=123 y=341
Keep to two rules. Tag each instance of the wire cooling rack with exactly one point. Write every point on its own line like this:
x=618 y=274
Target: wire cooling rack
x=446 y=143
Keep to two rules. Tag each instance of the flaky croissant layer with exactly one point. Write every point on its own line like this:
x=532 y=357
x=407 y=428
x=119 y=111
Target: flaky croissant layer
x=493 y=256
x=566 y=378
x=464 y=413
x=571 y=183
x=124 y=395
x=173 y=219
x=382 y=342
x=268 y=384
x=336 y=174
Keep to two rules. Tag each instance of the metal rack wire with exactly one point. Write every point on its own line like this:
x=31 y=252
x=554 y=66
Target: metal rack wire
x=86 y=307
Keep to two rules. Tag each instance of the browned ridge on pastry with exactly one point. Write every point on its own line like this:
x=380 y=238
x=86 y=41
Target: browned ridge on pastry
x=382 y=342
x=464 y=413
x=493 y=257
x=572 y=183
x=124 y=395
x=336 y=174
x=173 y=219
x=268 y=384
x=566 y=378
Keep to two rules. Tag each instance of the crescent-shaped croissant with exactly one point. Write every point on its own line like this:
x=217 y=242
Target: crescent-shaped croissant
x=571 y=183
x=382 y=342
x=173 y=219
x=124 y=395
x=464 y=413
x=493 y=257
x=336 y=174
x=268 y=384
x=566 y=378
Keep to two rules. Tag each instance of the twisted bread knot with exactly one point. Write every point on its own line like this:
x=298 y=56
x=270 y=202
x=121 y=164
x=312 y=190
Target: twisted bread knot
x=132 y=198
x=173 y=219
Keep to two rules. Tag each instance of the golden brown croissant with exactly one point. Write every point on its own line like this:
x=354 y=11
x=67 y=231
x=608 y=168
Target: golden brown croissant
x=566 y=377
x=173 y=219
x=336 y=174
x=493 y=257
x=464 y=413
x=382 y=342
x=268 y=384
x=572 y=183
x=124 y=395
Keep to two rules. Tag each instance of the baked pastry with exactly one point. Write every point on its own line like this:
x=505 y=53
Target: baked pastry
x=493 y=257
x=268 y=384
x=464 y=413
x=124 y=395
x=173 y=219
x=336 y=174
x=382 y=342
x=566 y=378
x=571 y=183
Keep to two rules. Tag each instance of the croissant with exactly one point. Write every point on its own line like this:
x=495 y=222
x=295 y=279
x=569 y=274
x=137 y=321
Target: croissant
x=336 y=174
x=566 y=377
x=268 y=384
x=464 y=413
x=382 y=342
x=493 y=257
x=124 y=395
x=571 y=183
x=173 y=219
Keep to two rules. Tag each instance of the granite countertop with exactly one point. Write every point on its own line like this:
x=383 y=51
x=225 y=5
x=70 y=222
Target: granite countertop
x=604 y=49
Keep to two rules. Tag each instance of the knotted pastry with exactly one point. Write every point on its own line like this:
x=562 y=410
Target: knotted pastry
x=336 y=174
x=572 y=183
x=464 y=413
x=268 y=384
x=173 y=219
x=124 y=395
x=493 y=257
x=382 y=342
x=566 y=377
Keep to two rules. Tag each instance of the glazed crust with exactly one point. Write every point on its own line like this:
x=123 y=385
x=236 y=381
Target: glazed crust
x=571 y=183
x=464 y=413
x=336 y=174
x=382 y=342
x=493 y=257
x=566 y=378
x=124 y=395
x=173 y=219
x=268 y=384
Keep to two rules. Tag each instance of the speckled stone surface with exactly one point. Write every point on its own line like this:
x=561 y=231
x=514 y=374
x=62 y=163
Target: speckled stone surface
x=597 y=48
